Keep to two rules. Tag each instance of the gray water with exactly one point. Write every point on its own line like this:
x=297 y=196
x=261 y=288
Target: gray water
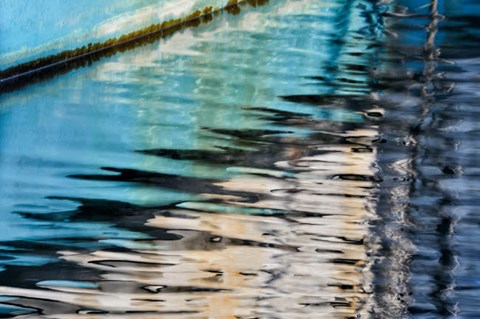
x=301 y=159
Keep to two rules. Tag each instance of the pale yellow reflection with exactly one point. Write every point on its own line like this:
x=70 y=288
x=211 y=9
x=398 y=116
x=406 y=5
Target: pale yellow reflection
x=307 y=256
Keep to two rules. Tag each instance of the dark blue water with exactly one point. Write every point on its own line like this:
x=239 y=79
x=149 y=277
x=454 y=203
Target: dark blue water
x=301 y=159
x=429 y=223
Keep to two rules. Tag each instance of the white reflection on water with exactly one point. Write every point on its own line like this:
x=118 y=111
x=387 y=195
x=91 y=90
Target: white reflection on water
x=230 y=264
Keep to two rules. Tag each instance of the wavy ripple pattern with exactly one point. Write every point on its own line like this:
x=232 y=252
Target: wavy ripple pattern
x=300 y=159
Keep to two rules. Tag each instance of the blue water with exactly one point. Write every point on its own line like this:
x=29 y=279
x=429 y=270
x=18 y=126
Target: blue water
x=301 y=159
x=34 y=30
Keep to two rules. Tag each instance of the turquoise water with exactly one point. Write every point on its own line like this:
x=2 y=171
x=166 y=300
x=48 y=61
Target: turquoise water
x=33 y=30
x=301 y=159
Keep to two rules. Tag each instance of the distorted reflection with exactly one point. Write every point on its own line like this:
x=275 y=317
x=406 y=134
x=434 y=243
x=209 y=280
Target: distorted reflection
x=236 y=174
x=283 y=162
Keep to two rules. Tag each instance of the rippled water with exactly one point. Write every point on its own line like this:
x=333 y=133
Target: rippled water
x=301 y=159
x=428 y=222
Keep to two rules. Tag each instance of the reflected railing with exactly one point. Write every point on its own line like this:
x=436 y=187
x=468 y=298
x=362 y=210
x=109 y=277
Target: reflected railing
x=417 y=220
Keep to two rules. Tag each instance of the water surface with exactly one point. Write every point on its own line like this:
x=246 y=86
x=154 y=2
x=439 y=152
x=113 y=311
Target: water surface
x=302 y=159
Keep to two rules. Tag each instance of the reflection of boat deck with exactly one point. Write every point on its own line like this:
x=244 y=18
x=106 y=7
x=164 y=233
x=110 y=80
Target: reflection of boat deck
x=305 y=253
